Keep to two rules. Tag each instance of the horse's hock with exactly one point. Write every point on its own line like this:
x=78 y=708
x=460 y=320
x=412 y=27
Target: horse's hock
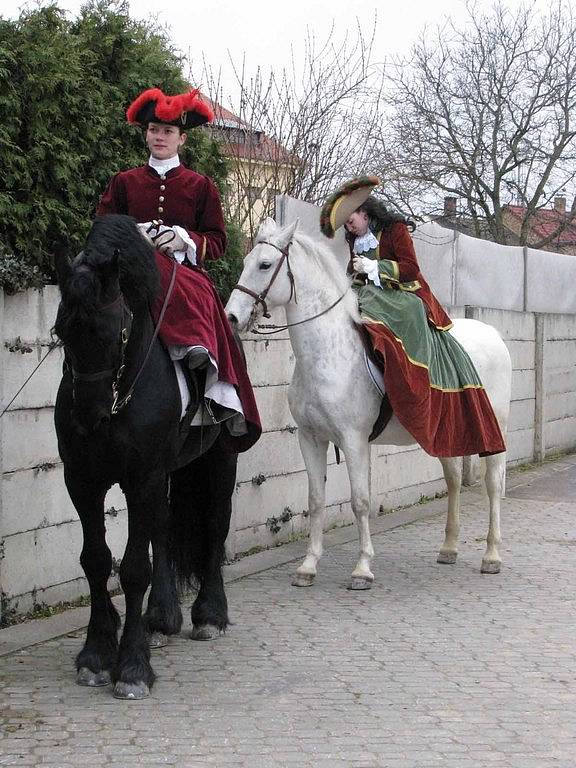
x=40 y=537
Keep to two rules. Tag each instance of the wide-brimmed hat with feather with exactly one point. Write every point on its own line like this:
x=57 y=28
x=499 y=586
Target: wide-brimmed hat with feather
x=186 y=110
x=337 y=209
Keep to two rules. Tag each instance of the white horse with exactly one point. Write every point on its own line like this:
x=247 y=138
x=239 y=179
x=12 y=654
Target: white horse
x=332 y=397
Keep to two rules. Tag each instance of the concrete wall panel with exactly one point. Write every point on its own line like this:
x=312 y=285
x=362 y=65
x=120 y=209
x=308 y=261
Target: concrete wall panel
x=521 y=415
x=31 y=315
x=522 y=354
x=523 y=383
x=485 y=279
x=435 y=250
x=550 y=280
x=560 y=435
x=29 y=439
x=40 y=392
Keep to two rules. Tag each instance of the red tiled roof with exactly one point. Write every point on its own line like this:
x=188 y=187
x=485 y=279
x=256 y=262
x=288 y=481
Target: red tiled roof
x=544 y=222
x=261 y=147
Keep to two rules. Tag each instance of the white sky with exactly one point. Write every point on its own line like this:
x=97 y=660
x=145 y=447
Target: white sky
x=265 y=31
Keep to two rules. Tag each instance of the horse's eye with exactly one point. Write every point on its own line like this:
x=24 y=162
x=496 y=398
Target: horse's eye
x=264 y=265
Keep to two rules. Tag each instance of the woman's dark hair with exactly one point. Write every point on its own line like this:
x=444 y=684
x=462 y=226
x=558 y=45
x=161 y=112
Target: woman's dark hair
x=380 y=218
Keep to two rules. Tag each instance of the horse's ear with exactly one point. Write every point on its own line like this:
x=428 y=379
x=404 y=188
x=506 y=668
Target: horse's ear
x=62 y=267
x=266 y=229
x=284 y=237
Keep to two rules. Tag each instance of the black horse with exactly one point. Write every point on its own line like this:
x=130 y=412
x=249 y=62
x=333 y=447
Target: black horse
x=177 y=482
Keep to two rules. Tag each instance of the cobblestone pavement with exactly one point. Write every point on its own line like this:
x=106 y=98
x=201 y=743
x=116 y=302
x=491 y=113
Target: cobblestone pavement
x=435 y=666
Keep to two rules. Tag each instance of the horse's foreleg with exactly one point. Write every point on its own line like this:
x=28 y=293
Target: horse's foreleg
x=133 y=675
x=314 y=454
x=495 y=479
x=163 y=614
x=357 y=462
x=452 y=469
x=97 y=658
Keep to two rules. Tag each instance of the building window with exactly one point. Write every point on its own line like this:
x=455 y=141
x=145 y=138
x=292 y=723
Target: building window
x=254 y=193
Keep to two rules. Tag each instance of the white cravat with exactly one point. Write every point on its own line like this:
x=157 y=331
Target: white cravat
x=366 y=242
x=162 y=167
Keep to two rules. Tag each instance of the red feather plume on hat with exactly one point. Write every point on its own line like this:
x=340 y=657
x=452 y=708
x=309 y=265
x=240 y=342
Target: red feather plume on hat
x=168 y=109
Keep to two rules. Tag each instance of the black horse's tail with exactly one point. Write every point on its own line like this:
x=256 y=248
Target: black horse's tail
x=200 y=511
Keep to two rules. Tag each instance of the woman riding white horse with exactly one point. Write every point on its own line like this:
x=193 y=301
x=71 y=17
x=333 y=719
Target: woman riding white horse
x=332 y=396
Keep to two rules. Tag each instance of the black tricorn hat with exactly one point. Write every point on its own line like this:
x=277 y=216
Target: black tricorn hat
x=186 y=110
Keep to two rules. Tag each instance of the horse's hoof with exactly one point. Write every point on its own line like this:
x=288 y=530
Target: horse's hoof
x=360 y=582
x=303 y=579
x=447 y=558
x=205 y=632
x=157 y=640
x=131 y=691
x=85 y=676
x=490 y=566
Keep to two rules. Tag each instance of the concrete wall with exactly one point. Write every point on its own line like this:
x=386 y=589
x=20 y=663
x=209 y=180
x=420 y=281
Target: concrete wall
x=40 y=537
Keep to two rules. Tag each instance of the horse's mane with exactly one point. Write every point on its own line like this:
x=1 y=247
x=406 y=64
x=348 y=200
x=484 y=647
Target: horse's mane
x=325 y=260
x=113 y=237
x=138 y=274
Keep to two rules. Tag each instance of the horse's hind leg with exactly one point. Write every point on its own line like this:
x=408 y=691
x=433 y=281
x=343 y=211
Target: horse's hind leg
x=201 y=508
x=314 y=454
x=163 y=615
x=96 y=660
x=495 y=479
x=452 y=469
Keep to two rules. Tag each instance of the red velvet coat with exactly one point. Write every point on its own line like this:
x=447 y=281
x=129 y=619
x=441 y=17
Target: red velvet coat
x=194 y=314
x=182 y=197
x=396 y=246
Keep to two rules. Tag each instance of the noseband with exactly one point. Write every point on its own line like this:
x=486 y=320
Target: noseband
x=260 y=298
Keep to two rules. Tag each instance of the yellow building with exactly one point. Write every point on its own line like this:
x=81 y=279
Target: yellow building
x=260 y=170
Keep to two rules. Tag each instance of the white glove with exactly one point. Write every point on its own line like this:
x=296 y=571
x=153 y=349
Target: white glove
x=365 y=266
x=168 y=240
x=164 y=239
x=146 y=230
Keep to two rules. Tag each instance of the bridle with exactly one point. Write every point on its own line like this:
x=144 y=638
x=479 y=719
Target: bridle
x=125 y=327
x=260 y=298
x=123 y=334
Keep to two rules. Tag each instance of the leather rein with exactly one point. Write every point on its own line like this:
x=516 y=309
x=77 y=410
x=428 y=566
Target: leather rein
x=260 y=298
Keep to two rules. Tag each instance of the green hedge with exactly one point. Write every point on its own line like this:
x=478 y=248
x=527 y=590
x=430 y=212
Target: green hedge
x=64 y=88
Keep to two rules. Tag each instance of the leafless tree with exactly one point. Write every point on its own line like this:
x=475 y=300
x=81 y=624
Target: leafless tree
x=306 y=125
x=487 y=113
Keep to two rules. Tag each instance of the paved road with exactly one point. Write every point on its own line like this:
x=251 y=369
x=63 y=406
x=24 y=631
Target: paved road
x=435 y=666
